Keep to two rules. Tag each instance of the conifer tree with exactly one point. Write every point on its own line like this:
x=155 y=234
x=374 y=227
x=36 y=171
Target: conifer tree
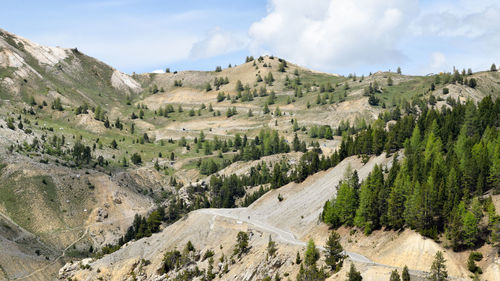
x=394 y=276
x=334 y=252
x=405 y=275
x=312 y=254
x=353 y=274
x=438 y=269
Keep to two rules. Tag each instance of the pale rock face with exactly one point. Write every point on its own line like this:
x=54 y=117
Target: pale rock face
x=8 y=58
x=43 y=54
x=46 y=55
x=122 y=81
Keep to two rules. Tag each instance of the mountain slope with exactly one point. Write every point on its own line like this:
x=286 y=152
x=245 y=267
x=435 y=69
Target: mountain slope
x=29 y=69
x=290 y=223
x=118 y=145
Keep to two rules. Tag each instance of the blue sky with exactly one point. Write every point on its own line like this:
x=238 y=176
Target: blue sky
x=357 y=36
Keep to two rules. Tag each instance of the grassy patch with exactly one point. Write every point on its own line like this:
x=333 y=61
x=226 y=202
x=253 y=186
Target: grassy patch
x=17 y=191
x=7 y=72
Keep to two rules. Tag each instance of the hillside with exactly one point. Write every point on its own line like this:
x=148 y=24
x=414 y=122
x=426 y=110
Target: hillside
x=103 y=173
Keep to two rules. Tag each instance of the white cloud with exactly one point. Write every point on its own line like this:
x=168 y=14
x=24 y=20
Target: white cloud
x=452 y=23
x=218 y=42
x=158 y=71
x=438 y=62
x=334 y=33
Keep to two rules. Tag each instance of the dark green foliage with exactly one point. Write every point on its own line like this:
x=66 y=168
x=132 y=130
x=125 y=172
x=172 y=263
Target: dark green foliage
x=438 y=269
x=353 y=274
x=269 y=79
x=341 y=210
x=472 y=83
x=405 y=275
x=312 y=254
x=171 y=260
x=372 y=201
x=282 y=66
x=271 y=247
x=114 y=145
x=241 y=243
x=322 y=132
x=309 y=273
x=394 y=276
x=231 y=112
x=221 y=96
x=208 y=167
x=10 y=123
x=266 y=109
x=82 y=109
x=57 y=105
x=451 y=158
x=309 y=270
x=373 y=100
x=471 y=262
x=334 y=252
x=136 y=158
x=81 y=153
x=432 y=100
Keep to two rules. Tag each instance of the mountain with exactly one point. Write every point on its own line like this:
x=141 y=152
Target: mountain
x=154 y=176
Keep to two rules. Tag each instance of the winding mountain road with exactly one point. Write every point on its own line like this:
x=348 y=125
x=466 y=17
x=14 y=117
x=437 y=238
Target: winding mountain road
x=282 y=235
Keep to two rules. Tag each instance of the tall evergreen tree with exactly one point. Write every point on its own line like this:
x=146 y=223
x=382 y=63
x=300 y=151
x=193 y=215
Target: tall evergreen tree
x=438 y=269
x=405 y=275
x=353 y=274
x=334 y=252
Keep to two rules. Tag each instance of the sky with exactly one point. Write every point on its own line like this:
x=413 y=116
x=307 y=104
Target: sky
x=337 y=36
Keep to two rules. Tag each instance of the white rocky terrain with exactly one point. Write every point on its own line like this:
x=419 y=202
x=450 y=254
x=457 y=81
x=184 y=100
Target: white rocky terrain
x=290 y=223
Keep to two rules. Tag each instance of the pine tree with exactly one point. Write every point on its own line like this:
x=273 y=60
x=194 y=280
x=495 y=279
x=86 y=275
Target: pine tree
x=266 y=109
x=271 y=247
x=353 y=274
x=312 y=254
x=242 y=243
x=334 y=252
x=397 y=199
x=297 y=259
x=395 y=276
x=438 y=269
x=405 y=275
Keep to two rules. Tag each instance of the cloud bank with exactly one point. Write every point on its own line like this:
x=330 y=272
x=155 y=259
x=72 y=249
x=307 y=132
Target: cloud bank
x=325 y=34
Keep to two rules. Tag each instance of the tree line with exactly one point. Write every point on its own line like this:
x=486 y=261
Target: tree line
x=451 y=159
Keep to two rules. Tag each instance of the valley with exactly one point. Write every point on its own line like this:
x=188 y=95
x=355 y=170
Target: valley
x=158 y=176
